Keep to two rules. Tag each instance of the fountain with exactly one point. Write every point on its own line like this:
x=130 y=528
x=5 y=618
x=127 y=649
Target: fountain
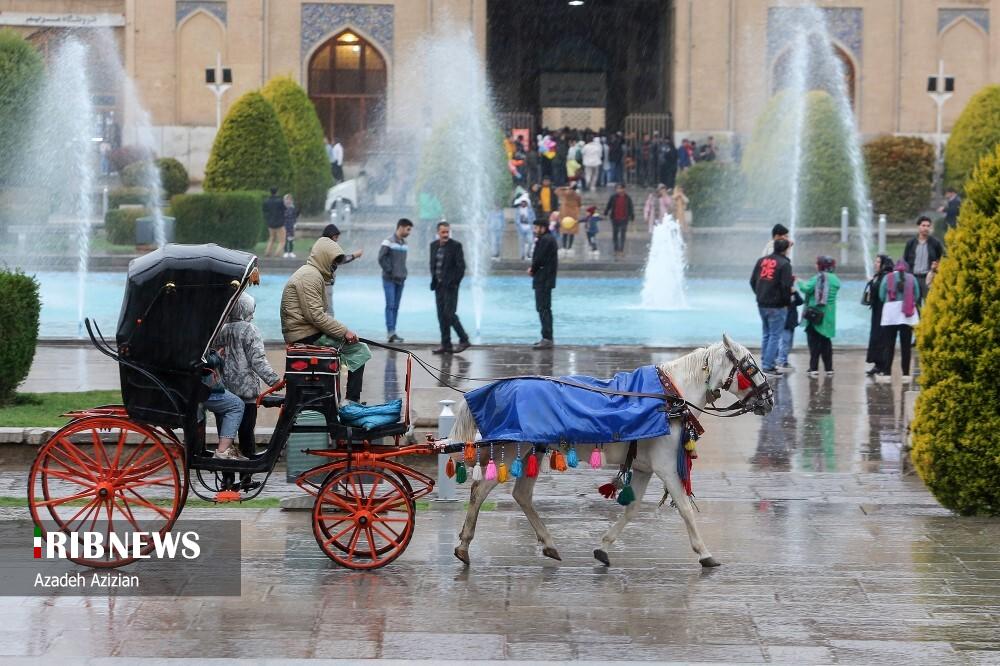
x=62 y=158
x=460 y=145
x=811 y=66
x=663 y=286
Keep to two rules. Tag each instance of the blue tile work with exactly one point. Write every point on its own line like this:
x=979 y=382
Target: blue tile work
x=216 y=8
x=321 y=19
x=845 y=24
x=980 y=17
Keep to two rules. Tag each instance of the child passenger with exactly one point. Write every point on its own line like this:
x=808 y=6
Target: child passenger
x=245 y=366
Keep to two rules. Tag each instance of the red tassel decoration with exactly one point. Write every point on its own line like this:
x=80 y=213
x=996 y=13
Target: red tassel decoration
x=608 y=490
x=470 y=452
x=449 y=468
x=531 y=469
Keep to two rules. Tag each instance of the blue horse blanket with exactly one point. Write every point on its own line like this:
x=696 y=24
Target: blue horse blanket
x=542 y=411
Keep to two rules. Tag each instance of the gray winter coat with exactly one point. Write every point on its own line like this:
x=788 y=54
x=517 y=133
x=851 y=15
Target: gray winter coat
x=243 y=350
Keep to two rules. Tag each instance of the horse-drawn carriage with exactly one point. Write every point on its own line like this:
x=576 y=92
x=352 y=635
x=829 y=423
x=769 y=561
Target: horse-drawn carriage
x=126 y=468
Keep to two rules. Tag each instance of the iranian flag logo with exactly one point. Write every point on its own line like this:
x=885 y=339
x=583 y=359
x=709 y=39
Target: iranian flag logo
x=38 y=542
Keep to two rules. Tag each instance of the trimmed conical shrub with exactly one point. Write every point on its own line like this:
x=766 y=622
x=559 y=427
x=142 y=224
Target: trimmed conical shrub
x=21 y=72
x=826 y=179
x=250 y=152
x=975 y=134
x=304 y=135
x=956 y=445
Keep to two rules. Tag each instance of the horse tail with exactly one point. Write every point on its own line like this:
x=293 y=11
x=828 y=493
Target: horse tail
x=465 y=427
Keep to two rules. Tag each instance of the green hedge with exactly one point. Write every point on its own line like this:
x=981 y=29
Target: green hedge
x=250 y=151
x=826 y=177
x=119 y=225
x=975 y=134
x=20 y=307
x=900 y=175
x=715 y=192
x=304 y=135
x=135 y=196
x=230 y=219
x=174 y=178
x=21 y=73
x=956 y=449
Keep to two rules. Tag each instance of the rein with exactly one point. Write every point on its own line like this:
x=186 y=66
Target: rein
x=679 y=405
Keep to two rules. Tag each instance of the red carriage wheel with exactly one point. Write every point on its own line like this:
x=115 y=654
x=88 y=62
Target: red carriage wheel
x=363 y=518
x=107 y=475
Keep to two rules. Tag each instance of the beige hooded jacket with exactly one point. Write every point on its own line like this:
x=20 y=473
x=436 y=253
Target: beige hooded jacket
x=304 y=308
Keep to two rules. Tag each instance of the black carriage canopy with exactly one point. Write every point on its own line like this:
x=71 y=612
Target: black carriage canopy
x=176 y=300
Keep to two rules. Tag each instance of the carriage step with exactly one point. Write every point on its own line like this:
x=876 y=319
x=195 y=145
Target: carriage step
x=224 y=496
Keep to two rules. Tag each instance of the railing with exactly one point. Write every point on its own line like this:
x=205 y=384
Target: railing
x=640 y=124
x=509 y=120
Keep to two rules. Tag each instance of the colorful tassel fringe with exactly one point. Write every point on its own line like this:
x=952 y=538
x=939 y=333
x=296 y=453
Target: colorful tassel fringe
x=449 y=468
x=558 y=461
x=516 y=468
x=595 y=458
x=470 y=452
x=491 y=471
x=477 y=472
x=571 y=458
x=626 y=496
x=531 y=469
x=608 y=490
x=502 y=473
x=460 y=474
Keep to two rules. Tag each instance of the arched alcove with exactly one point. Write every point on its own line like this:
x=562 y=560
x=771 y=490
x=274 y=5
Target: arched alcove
x=347 y=81
x=201 y=38
x=815 y=79
x=964 y=47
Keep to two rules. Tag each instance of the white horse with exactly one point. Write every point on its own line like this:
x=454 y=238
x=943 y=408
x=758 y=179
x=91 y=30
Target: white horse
x=700 y=376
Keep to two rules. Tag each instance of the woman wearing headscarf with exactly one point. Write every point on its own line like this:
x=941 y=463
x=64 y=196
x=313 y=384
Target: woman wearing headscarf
x=820 y=314
x=900 y=293
x=876 y=334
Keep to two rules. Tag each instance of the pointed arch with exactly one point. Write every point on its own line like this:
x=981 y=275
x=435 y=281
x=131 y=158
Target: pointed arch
x=780 y=69
x=199 y=36
x=347 y=78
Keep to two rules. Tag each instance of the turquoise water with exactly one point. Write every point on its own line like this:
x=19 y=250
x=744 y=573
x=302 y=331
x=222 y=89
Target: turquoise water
x=587 y=311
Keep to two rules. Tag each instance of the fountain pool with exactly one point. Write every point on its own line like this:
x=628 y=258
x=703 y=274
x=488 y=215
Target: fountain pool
x=587 y=310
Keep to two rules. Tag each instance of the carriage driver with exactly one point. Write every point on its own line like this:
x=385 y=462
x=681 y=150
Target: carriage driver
x=305 y=314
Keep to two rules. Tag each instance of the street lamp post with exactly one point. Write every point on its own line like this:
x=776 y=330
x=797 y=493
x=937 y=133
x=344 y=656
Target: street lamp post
x=219 y=79
x=941 y=88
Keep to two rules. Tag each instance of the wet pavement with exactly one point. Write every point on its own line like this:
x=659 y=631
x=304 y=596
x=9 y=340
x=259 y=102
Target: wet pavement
x=829 y=555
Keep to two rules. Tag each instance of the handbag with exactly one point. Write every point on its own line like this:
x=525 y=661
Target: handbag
x=866 y=297
x=814 y=315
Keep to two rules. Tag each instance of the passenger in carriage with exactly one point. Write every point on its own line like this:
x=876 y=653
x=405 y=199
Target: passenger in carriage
x=305 y=314
x=245 y=366
x=228 y=408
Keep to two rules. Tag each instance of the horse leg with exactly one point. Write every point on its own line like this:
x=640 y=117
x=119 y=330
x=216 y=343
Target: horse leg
x=480 y=491
x=640 y=479
x=524 y=487
x=676 y=489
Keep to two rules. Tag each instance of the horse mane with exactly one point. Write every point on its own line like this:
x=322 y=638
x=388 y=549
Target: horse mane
x=690 y=364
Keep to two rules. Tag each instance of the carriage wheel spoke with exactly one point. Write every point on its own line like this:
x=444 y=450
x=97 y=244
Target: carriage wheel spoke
x=373 y=490
x=99 y=451
x=119 y=447
x=63 y=500
x=86 y=506
x=149 y=449
x=371 y=542
x=338 y=535
x=330 y=498
x=338 y=517
x=390 y=503
x=78 y=456
x=126 y=511
x=142 y=501
x=71 y=451
x=352 y=547
x=393 y=541
x=69 y=477
x=162 y=481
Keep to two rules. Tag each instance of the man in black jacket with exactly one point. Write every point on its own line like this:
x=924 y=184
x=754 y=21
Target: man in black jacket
x=771 y=281
x=544 y=265
x=447 y=271
x=922 y=252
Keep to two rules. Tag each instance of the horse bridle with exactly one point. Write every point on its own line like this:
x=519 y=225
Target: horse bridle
x=743 y=370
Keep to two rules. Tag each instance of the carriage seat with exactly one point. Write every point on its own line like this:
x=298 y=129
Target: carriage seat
x=388 y=430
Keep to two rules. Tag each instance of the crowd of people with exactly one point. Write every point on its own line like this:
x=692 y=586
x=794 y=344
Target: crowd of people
x=604 y=159
x=895 y=295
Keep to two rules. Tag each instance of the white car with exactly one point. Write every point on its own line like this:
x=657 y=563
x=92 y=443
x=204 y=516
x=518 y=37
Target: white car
x=342 y=194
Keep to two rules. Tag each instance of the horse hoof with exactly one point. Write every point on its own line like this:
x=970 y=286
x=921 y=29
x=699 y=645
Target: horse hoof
x=602 y=557
x=551 y=552
x=709 y=562
x=462 y=554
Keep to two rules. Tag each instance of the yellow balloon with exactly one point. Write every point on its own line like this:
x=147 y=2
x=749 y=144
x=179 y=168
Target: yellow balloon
x=568 y=223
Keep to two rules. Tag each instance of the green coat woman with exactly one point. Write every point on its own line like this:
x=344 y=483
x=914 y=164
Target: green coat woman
x=820 y=291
